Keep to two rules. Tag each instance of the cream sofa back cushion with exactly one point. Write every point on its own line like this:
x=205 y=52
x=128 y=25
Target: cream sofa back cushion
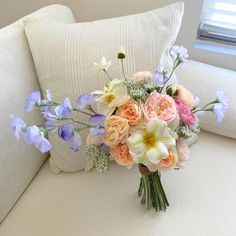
x=19 y=163
x=64 y=56
x=203 y=80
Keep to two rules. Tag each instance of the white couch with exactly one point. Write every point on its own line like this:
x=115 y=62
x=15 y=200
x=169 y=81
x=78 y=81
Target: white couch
x=202 y=197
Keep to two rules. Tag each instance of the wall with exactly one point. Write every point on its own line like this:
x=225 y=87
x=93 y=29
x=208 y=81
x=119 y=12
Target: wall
x=86 y=10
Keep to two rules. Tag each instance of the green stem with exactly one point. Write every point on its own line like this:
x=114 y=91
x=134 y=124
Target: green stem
x=84 y=112
x=123 y=69
x=109 y=77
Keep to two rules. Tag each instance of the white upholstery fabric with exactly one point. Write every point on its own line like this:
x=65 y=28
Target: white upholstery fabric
x=203 y=80
x=19 y=163
x=64 y=56
x=202 y=198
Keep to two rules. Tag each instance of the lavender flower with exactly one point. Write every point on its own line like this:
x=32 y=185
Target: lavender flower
x=84 y=101
x=17 y=125
x=50 y=118
x=222 y=98
x=64 y=109
x=43 y=145
x=97 y=122
x=219 y=110
x=32 y=100
x=221 y=107
x=69 y=135
x=160 y=76
x=33 y=135
x=179 y=53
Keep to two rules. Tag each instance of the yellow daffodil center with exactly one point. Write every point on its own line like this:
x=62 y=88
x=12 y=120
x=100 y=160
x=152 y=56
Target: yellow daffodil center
x=149 y=139
x=109 y=98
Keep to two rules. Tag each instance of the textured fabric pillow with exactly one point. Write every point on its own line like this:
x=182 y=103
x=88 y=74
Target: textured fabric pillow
x=64 y=56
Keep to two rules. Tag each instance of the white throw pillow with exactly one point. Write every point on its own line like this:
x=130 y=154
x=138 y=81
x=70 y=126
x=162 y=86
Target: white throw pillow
x=64 y=55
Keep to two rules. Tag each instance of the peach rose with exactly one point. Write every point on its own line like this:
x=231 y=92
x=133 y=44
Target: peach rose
x=130 y=111
x=183 y=152
x=141 y=76
x=185 y=96
x=116 y=130
x=169 y=162
x=96 y=140
x=121 y=154
x=160 y=106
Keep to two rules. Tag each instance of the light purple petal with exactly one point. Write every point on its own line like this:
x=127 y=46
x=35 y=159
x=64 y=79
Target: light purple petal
x=17 y=124
x=179 y=52
x=219 y=111
x=43 y=145
x=64 y=109
x=32 y=135
x=197 y=100
x=200 y=113
x=85 y=100
x=66 y=132
x=97 y=131
x=222 y=98
x=97 y=120
x=75 y=142
x=33 y=99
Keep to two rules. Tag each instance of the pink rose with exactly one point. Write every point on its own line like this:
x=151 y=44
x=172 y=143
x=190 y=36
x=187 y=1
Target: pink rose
x=122 y=155
x=160 y=106
x=130 y=111
x=185 y=96
x=185 y=113
x=141 y=76
x=183 y=152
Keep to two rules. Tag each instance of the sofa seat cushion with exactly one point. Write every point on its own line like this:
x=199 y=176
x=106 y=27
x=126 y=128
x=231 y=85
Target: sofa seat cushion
x=202 y=198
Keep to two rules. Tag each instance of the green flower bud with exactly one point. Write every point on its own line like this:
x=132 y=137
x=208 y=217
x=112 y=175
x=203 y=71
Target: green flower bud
x=121 y=53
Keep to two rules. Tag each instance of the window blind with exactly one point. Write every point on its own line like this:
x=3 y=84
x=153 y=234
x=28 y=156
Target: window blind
x=218 y=21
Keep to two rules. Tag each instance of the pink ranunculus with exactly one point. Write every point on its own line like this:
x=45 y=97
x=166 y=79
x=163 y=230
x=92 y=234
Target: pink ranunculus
x=141 y=76
x=160 y=106
x=185 y=113
x=183 y=152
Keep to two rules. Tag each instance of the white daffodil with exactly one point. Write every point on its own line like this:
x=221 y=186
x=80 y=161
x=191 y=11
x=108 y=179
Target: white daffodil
x=151 y=144
x=103 y=64
x=115 y=94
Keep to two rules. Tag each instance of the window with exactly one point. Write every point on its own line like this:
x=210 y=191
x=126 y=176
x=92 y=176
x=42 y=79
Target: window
x=218 y=21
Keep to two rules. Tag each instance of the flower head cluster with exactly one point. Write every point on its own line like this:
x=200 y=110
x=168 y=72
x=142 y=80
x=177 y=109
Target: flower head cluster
x=130 y=119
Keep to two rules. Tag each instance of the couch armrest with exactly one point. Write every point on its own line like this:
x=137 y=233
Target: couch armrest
x=203 y=80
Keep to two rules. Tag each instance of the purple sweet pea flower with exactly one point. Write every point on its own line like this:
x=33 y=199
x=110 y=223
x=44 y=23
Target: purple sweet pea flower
x=64 y=109
x=43 y=145
x=179 y=52
x=32 y=100
x=66 y=132
x=75 y=142
x=17 y=125
x=50 y=118
x=219 y=110
x=222 y=98
x=34 y=136
x=69 y=135
x=97 y=122
x=161 y=79
x=84 y=101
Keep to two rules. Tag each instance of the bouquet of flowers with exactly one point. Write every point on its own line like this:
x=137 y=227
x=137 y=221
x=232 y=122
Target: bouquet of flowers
x=131 y=120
